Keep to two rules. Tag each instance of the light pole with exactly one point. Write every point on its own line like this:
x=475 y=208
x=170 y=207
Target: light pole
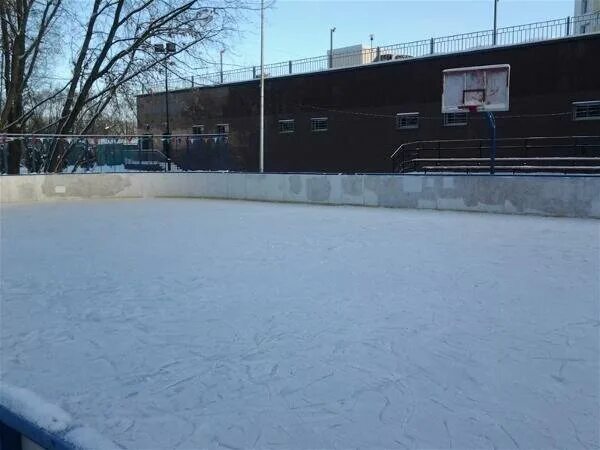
x=371 y=36
x=167 y=49
x=331 y=31
x=262 y=88
x=495 y=22
x=222 y=51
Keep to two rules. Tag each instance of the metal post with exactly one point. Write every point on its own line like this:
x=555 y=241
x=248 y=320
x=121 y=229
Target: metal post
x=166 y=142
x=262 y=88
x=568 y=25
x=371 y=36
x=492 y=125
x=331 y=31
x=222 y=51
x=432 y=46
x=495 y=22
x=290 y=67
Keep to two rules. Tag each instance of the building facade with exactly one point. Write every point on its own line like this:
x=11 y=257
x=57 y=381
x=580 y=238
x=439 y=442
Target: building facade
x=586 y=16
x=352 y=119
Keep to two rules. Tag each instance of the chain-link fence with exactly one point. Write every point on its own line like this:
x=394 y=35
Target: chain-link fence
x=31 y=154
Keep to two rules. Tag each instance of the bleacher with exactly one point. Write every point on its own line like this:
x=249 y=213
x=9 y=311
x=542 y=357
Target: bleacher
x=561 y=155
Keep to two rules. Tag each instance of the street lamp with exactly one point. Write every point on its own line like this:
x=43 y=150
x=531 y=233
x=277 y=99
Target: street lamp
x=371 y=36
x=167 y=49
x=222 y=51
x=261 y=159
x=331 y=31
x=495 y=22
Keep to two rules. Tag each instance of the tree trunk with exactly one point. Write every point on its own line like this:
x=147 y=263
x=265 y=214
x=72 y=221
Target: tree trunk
x=15 y=150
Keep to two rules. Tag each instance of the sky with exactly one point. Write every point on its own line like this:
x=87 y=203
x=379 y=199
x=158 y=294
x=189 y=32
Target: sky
x=300 y=28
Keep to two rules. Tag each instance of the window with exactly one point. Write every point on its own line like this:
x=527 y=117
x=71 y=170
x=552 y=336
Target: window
x=457 y=119
x=287 y=126
x=405 y=121
x=222 y=128
x=318 y=124
x=197 y=129
x=586 y=110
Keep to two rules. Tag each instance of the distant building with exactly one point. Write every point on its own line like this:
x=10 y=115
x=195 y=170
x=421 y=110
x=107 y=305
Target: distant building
x=354 y=55
x=358 y=55
x=586 y=16
x=351 y=119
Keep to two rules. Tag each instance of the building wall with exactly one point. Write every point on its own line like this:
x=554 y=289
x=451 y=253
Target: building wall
x=361 y=105
x=590 y=24
x=592 y=6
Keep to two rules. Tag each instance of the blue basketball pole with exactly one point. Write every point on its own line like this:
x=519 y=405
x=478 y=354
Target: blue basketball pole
x=492 y=125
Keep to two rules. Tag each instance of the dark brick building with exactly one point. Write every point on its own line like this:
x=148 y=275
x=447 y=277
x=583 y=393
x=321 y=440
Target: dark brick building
x=360 y=106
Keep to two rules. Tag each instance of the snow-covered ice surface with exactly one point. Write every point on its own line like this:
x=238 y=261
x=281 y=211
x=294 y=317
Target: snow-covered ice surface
x=204 y=324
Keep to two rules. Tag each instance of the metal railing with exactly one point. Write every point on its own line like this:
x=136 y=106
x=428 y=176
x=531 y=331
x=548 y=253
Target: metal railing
x=519 y=34
x=563 y=154
x=110 y=154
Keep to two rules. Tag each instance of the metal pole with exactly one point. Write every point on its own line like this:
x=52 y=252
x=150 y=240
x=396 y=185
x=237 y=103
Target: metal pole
x=166 y=144
x=331 y=31
x=492 y=124
x=495 y=22
x=262 y=87
x=222 y=51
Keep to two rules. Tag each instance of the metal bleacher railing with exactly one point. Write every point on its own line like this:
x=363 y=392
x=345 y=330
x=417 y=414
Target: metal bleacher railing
x=519 y=34
x=556 y=154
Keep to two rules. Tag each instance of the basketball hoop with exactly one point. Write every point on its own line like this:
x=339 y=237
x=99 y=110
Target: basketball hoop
x=469 y=108
x=484 y=89
x=476 y=89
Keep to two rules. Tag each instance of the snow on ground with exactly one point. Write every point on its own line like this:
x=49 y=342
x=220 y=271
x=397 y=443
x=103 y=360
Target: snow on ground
x=206 y=324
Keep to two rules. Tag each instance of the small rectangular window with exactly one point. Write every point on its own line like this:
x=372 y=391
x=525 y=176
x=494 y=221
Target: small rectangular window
x=198 y=129
x=586 y=110
x=318 y=124
x=287 y=126
x=458 y=119
x=222 y=128
x=405 y=121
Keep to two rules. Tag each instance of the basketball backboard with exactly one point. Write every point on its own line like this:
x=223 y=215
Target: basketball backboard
x=482 y=88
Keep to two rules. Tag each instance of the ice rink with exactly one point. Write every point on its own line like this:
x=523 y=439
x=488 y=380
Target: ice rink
x=186 y=324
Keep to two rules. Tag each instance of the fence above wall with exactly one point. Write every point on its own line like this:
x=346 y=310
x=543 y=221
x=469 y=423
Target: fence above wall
x=49 y=153
x=513 y=35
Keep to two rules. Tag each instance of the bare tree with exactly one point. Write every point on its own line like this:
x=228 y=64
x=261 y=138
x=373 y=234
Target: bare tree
x=114 y=49
x=24 y=25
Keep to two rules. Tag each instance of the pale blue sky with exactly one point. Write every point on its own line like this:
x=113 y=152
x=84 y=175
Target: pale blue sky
x=300 y=28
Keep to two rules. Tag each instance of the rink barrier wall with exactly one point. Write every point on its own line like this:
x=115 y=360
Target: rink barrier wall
x=566 y=196
x=18 y=433
x=28 y=422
